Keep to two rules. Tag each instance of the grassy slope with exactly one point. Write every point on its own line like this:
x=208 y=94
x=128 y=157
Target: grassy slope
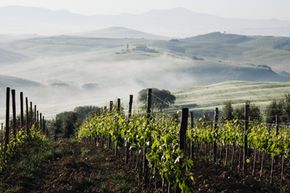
x=210 y=96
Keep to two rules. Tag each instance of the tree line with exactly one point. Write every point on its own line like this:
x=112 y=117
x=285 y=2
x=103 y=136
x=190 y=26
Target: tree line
x=279 y=109
x=66 y=123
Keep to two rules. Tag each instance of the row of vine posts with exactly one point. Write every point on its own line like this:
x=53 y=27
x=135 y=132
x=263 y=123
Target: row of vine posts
x=24 y=121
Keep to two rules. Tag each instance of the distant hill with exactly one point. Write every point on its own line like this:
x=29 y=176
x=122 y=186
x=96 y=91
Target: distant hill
x=15 y=82
x=272 y=42
x=234 y=49
x=210 y=58
x=175 y=22
x=121 y=33
x=218 y=37
x=8 y=57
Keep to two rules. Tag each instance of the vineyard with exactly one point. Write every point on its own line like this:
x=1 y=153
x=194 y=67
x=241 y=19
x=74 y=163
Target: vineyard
x=28 y=123
x=169 y=151
x=165 y=151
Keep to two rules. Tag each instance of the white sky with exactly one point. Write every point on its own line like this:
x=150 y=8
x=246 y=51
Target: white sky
x=264 y=9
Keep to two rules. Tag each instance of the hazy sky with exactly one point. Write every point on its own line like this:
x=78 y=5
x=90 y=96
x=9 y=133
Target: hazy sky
x=278 y=9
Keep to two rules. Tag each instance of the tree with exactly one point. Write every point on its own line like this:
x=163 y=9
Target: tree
x=254 y=113
x=161 y=99
x=83 y=112
x=286 y=108
x=65 y=123
x=228 y=110
x=275 y=108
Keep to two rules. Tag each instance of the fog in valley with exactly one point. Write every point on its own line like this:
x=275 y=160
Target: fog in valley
x=61 y=60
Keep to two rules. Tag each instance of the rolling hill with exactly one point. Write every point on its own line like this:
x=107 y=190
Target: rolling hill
x=233 y=49
x=205 y=59
x=121 y=33
x=15 y=82
x=66 y=64
x=210 y=96
x=8 y=57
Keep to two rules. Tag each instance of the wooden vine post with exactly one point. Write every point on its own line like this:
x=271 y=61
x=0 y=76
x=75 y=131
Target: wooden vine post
x=31 y=114
x=111 y=112
x=191 y=142
x=183 y=129
x=14 y=121
x=35 y=116
x=130 y=107
x=149 y=117
x=118 y=105
x=40 y=121
x=118 y=113
x=182 y=136
x=7 y=128
x=277 y=125
x=273 y=157
x=246 y=128
x=27 y=114
x=216 y=118
x=129 y=117
x=37 y=119
x=21 y=110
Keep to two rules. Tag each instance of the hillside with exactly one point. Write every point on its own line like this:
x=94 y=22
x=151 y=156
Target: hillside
x=234 y=49
x=214 y=95
x=16 y=82
x=120 y=33
x=219 y=56
x=8 y=57
x=67 y=64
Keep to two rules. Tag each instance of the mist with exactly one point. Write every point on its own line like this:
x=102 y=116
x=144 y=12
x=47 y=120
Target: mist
x=95 y=78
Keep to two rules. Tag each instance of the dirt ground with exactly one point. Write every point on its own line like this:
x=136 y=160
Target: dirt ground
x=88 y=169
x=72 y=167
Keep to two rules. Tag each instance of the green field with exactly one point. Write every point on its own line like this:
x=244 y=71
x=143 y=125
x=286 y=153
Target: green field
x=214 y=95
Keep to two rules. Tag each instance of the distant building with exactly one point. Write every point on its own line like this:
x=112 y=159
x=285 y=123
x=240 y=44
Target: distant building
x=141 y=47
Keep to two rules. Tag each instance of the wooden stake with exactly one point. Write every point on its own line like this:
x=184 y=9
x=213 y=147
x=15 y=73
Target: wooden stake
x=21 y=110
x=37 y=119
x=183 y=129
x=7 y=129
x=149 y=117
x=27 y=114
x=129 y=116
x=119 y=105
x=35 y=115
x=246 y=128
x=216 y=117
x=130 y=106
x=31 y=114
x=14 y=122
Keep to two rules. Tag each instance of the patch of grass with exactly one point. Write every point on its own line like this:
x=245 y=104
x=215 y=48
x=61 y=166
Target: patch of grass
x=214 y=95
x=24 y=170
x=84 y=152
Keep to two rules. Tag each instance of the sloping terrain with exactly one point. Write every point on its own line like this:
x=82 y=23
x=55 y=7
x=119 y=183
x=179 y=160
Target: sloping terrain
x=234 y=49
x=9 y=57
x=15 y=82
x=121 y=33
x=219 y=56
x=65 y=65
x=211 y=96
